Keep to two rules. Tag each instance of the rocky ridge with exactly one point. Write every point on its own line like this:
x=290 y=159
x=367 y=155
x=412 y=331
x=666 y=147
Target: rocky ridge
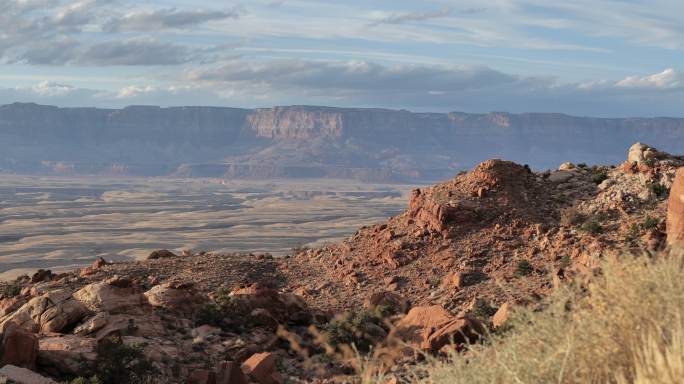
x=462 y=255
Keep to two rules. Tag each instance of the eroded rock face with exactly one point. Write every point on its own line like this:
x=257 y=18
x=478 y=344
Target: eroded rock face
x=110 y=296
x=52 y=312
x=19 y=347
x=675 y=212
x=21 y=375
x=640 y=153
x=68 y=354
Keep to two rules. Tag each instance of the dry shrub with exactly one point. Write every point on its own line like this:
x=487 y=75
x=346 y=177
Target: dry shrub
x=623 y=327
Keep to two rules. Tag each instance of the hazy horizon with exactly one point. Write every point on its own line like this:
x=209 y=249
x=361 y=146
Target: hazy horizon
x=322 y=106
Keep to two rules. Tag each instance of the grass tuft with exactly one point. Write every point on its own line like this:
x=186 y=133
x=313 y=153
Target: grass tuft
x=626 y=326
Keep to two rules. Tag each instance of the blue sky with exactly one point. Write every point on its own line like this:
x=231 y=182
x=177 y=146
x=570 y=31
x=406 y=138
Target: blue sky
x=597 y=58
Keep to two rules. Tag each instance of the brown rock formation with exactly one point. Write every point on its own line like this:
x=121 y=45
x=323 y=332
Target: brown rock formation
x=261 y=368
x=19 y=347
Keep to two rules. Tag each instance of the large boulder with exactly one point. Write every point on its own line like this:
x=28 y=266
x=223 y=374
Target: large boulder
x=115 y=295
x=640 y=153
x=11 y=304
x=52 y=312
x=420 y=322
x=261 y=368
x=19 y=347
x=431 y=328
x=161 y=254
x=675 y=212
x=463 y=330
x=67 y=355
x=174 y=296
x=21 y=375
x=104 y=325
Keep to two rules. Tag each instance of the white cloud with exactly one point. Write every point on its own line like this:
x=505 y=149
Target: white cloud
x=667 y=79
x=365 y=84
x=50 y=89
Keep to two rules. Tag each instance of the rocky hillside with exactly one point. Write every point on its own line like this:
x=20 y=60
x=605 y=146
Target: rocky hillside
x=294 y=142
x=436 y=277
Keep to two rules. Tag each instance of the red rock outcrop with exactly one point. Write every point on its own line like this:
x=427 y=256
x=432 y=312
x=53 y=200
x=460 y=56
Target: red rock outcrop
x=19 y=347
x=261 y=368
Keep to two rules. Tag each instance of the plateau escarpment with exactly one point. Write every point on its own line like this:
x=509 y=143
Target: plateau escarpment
x=304 y=141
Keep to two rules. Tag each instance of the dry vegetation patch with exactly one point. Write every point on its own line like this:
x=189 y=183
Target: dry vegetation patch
x=626 y=326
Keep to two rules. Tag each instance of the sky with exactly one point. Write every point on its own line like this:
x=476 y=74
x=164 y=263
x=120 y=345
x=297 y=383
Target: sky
x=609 y=58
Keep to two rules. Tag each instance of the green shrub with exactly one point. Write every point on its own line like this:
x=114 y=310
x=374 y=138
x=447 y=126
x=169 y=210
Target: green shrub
x=118 y=363
x=11 y=291
x=523 y=268
x=482 y=309
x=209 y=314
x=658 y=189
x=225 y=312
x=582 y=165
x=633 y=233
x=650 y=223
x=650 y=162
x=599 y=175
x=361 y=329
x=592 y=226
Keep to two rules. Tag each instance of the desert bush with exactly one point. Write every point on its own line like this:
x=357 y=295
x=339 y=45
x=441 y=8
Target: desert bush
x=118 y=363
x=634 y=232
x=625 y=326
x=658 y=189
x=11 y=290
x=361 y=330
x=649 y=223
x=482 y=309
x=220 y=313
x=650 y=162
x=209 y=314
x=598 y=175
x=591 y=226
x=523 y=268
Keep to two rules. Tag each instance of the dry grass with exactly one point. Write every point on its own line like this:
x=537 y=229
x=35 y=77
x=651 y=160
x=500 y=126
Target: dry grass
x=627 y=326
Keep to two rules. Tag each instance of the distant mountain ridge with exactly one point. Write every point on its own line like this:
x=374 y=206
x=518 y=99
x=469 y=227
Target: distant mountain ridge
x=307 y=141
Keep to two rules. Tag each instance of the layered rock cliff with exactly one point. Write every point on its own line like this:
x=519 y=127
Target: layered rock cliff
x=303 y=141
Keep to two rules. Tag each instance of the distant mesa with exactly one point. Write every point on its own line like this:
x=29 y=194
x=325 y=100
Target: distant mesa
x=307 y=142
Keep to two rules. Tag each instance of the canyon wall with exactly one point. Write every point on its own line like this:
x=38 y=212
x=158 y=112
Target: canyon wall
x=303 y=141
